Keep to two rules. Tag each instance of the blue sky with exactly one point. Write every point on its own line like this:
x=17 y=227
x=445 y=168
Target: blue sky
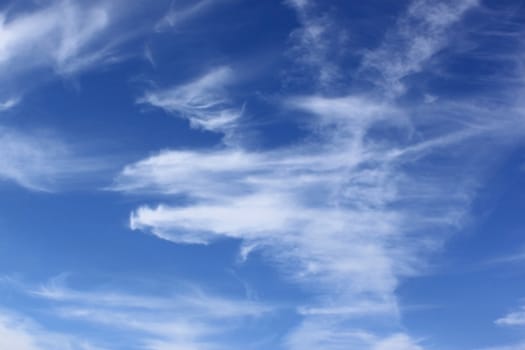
x=247 y=174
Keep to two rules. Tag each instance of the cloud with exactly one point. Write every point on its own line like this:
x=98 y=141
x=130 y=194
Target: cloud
x=65 y=34
x=186 y=319
x=397 y=342
x=59 y=38
x=13 y=335
x=515 y=258
x=519 y=346
x=317 y=43
x=346 y=212
x=9 y=103
x=193 y=298
x=204 y=101
x=516 y=318
x=38 y=161
x=325 y=333
x=177 y=15
x=417 y=37
x=353 y=209
x=349 y=213
x=20 y=333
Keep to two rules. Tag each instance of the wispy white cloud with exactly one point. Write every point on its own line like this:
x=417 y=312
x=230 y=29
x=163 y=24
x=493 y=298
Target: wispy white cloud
x=343 y=213
x=14 y=335
x=347 y=214
x=176 y=15
x=350 y=211
x=65 y=34
x=417 y=37
x=516 y=318
x=397 y=342
x=39 y=161
x=317 y=42
x=204 y=101
x=148 y=55
x=192 y=298
x=518 y=346
x=515 y=258
x=21 y=333
x=325 y=333
x=189 y=319
x=9 y=103
x=59 y=38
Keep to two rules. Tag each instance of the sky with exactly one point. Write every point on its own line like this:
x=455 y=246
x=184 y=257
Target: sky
x=248 y=174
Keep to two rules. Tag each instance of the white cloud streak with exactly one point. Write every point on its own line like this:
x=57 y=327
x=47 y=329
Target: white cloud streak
x=340 y=213
x=190 y=319
x=516 y=318
x=178 y=15
x=38 y=161
x=65 y=34
x=316 y=42
x=9 y=103
x=519 y=346
x=418 y=36
x=59 y=38
x=325 y=333
x=348 y=213
x=20 y=333
x=204 y=101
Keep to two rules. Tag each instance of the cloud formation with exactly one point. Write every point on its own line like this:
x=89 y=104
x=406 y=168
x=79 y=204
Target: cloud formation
x=65 y=34
x=344 y=213
x=21 y=333
x=9 y=103
x=40 y=161
x=59 y=38
x=516 y=318
x=204 y=101
x=178 y=15
x=317 y=43
x=187 y=318
x=348 y=212
x=418 y=36
x=352 y=210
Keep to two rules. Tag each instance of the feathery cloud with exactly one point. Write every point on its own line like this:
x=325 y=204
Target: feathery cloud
x=189 y=319
x=177 y=15
x=38 y=161
x=418 y=36
x=71 y=32
x=21 y=333
x=352 y=210
x=204 y=101
x=317 y=42
x=9 y=103
x=516 y=318
x=346 y=213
